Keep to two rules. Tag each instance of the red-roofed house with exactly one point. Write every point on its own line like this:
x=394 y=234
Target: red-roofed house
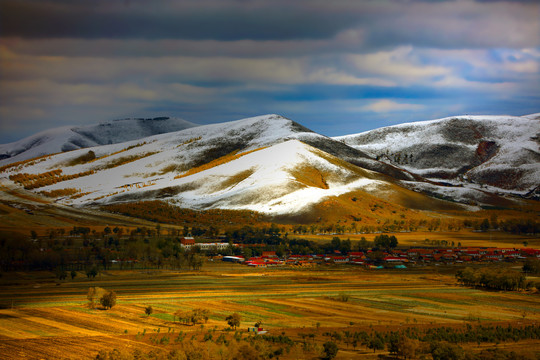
x=187 y=242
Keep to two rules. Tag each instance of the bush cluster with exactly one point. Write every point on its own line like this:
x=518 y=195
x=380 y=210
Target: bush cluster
x=495 y=279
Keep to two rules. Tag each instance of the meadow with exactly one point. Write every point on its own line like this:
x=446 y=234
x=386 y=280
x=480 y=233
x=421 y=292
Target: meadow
x=42 y=317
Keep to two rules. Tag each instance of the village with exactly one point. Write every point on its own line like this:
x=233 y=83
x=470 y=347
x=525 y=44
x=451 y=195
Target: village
x=371 y=259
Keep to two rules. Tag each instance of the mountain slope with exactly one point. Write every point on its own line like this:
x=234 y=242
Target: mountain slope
x=273 y=165
x=497 y=151
x=76 y=137
x=264 y=163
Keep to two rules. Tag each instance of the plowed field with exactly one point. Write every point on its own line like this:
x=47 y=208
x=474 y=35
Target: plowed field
x=42 y=320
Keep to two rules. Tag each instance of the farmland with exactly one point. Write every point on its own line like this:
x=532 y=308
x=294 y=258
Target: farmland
x=41 y=317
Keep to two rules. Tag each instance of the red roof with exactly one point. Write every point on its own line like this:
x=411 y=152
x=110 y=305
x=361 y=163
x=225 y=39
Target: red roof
x=187 y=241
x=393 y=258
x=420 y=251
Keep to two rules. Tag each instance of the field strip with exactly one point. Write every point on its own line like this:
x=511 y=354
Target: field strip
x=66 y=347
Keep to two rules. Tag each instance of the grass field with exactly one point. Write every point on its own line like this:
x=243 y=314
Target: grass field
x=466 y=237
x=43 y=318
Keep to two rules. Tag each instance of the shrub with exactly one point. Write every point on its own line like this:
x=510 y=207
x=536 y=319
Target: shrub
x=89 y=156
x=108 y=300
x=330 y=350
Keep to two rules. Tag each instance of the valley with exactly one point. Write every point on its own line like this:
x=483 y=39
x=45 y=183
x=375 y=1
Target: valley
x=40 y=317
x=126 y=217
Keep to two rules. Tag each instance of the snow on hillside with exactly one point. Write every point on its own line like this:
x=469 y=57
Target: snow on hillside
x=501 y=151
x=253 y=165
x=274 y=165
x=76 y=137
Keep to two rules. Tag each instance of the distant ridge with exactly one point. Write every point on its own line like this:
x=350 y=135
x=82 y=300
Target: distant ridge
x=497 y=151
x=68 y=138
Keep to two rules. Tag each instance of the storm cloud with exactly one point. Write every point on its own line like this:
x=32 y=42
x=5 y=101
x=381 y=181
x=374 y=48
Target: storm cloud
x=337 y=67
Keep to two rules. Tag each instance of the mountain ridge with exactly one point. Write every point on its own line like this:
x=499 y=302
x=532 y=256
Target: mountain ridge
x=67 y=138
x=268 y=163
x=498 y=151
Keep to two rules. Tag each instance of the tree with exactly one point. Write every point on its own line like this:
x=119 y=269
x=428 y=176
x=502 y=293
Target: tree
x=183 y=316
x=532 y=266
x=363 y=244
x=148 y=310
x=385 y=241
x=446 y=351
x=73 y=274
x=376 y=343
x=246 y=352
x=484 y=225
x=94 y=293
x=108 y=300
x=193 y=317
x=195 y=261
x=60 y=273
x=92 y=272
x=233 y=320
x=336 y=243
x=407 y=347
x=199 y=316
x=330 y=350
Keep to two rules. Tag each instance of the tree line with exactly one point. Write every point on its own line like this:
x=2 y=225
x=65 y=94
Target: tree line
x=83 y=249
x=438 y=343
x=494 y=279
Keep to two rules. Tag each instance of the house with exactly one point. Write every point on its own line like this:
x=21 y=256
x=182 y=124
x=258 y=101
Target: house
x=255 y=262
x=394 y=259
x=339 y=259
x=420 y=253
x=212 y=246
x=530 y=252
x=258 y=331
x=187 y=242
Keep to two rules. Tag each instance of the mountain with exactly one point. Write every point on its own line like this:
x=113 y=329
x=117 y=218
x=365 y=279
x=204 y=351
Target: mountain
x=76 y=137
x=500 y=153
x=276 y=166
x=267 y=163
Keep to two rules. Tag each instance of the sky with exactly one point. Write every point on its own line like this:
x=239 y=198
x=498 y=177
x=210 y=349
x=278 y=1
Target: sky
x=338 y=67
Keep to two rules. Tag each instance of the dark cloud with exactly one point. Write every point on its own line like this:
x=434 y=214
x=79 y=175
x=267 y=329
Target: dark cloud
x=441 y=24
x=95 y=20
x=362 y=64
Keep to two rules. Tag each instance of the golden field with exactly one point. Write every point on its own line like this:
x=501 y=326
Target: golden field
x=45 y=318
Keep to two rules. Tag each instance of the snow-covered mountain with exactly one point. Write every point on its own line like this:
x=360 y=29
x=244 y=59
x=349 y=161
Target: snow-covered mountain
x=497 y=152
x=276 y=166
x=76 y=137
x=266 y=163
